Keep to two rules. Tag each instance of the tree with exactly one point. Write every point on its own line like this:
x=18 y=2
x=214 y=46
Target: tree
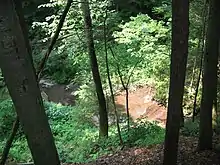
x=19 y=74
x=54 y=38
x=201 y=44
x=109 y=79
x=41 y=66
x=103 y=115
x=209 y=78
x=179 y=53
x=125 y=84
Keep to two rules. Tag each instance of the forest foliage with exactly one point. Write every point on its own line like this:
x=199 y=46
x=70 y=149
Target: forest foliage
x=138 y=41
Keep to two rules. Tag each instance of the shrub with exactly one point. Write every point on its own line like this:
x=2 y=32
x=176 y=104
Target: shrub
x=190 y=128
x=141 y=133
x=76 y=137
x=7 y=117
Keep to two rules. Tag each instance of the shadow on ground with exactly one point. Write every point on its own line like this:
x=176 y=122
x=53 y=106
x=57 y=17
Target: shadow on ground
x=153 y=155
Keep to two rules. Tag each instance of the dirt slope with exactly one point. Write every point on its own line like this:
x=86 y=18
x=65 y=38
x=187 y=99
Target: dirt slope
x=141 y=104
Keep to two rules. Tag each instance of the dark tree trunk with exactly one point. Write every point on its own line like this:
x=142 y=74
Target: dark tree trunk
x=201 y=42
x=180 y=33
x=215 y=112
x=18 y=70
x=9 y=142
x=103 y=115
x=210 y=74
x=18 y=8
x=181 y=118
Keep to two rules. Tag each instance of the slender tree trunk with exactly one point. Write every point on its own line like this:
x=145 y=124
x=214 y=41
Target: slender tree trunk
x=9 y=142
x=196 y=92
x=210 y=74
x=18 y=70
x=54 y=38
x=125 y=87
x=180 y=34
x=215 y=101
x=204 y=17
x=181 y=118
x=215 y=112
x=127 y=107
x=103 y=115
x=110 y=83
x=194 y=69
x=41 y=66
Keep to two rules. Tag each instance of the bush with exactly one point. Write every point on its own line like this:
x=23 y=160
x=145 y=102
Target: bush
x=75 y=136
x=7 y=117
x=190 y=128
x=87 y=98
x=141 y=133
x=144 y=133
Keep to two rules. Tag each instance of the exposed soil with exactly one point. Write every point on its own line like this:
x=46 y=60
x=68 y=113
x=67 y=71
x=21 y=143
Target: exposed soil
x=141 y=104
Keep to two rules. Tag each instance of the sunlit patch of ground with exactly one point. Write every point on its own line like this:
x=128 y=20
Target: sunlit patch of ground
x=141 y=104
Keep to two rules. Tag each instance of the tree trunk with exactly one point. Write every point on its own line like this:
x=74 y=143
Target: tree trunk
x=18 y=70
x=103 y=115
x=54 y=38
x=127 y=107
x=181 y=118
x=18 y=7
x=201 y=42
x=180 y=33
x=210 y=74
x=9 y=142
x=110 y=82
x=215 y=113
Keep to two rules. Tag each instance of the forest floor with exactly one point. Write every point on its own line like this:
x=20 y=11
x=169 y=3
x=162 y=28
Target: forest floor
x=153 y=155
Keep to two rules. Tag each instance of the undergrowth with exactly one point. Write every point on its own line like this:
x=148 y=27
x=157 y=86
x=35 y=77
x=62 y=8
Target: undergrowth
x=190 y=128
x=76 y=137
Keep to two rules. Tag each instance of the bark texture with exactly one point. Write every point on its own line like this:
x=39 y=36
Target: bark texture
x=209 y=78
x=18 y=7
x=18 y=70
x=179 y=53
x=103 y=115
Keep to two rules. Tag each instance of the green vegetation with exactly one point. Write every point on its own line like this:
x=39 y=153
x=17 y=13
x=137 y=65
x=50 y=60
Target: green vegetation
x=75 y=135
x=191 y=128
x=138 y=47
